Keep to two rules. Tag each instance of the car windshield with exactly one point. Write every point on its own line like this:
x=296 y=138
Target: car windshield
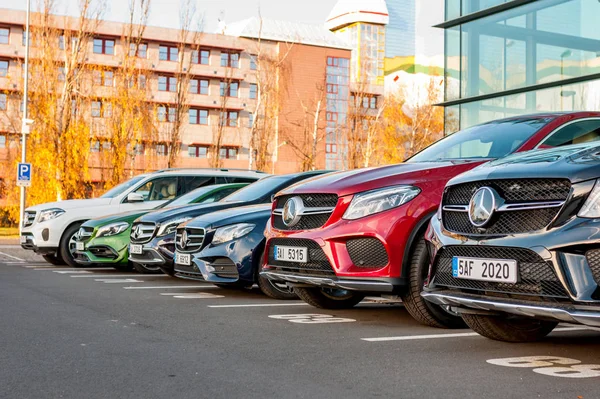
x=115 y=191
x=187 y=198
x=257 y=190
x=489 y=140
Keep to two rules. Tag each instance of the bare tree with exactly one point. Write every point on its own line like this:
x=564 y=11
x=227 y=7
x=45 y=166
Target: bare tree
x=229 y=87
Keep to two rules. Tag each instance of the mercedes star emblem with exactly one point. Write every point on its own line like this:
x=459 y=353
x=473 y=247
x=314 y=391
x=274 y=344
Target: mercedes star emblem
x=135 y=233
x=482 y=206
x=184 y=239
x=292 y=211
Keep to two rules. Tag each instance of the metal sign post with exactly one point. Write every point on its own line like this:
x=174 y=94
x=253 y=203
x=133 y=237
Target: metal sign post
x=26 y=122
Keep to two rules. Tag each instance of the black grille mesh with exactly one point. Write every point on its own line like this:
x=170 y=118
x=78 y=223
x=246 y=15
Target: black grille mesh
x=593 y=258
x=513 y=190
x=317 y=260
x=367 y=252
x=535 y=275
x=310 y=201
x=503 y=222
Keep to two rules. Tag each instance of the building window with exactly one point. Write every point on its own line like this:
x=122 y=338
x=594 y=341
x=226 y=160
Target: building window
x=139 y=50
x=198 y=151
x=142 y=81
x=228 y=153
x=104 y=46
x=95 y=146
x=103 y=78
x=199 y=86
x=2 y=101
x=24 y=38
x=229 y=90
x=4 y=35
x=164 y=113
x=167 y=83
x=253 y=65
x=139 y=149
x=231 y=60
x=168 y=53
x=229 y=118
x=253 y=90
x=201 y=57
x=250 y=119
x=61 y=42
x=162 y=149
x=3 y=68
x=61 y=74
x=2 y=141
x=101 y=109
x=198 y=116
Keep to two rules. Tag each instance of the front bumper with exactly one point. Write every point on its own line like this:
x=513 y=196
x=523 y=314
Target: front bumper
x=106 y=250
x=463 y=302
x=352 y=284
x=43 y=238
x=157 y=252
x=29 y=242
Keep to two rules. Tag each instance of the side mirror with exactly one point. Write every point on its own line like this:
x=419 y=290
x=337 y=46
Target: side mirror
x=135 y=197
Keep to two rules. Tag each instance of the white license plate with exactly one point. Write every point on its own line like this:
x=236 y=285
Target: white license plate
x=135 y=249
x=23 y=239
x=79 y=246
x=290 y=254
x=497 y=270
x=183 y=259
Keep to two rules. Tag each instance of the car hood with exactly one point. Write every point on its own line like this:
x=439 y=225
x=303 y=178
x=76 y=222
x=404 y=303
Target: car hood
x=358 y=180
x=186 y=211
x=72 y=204
x=576 y=163
x=118 y=217
x=245 y=214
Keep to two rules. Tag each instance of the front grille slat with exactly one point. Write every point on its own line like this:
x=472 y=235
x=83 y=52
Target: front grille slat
x=195 y=239
x=29 y=218
x=307 y=222
x=535 y=275
x=317 y=260
x=84 y=233
x=142 y=233
x=512 y=191
x=593 y=259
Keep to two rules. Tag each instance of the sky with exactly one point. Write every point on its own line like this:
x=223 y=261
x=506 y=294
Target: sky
x=165 y=13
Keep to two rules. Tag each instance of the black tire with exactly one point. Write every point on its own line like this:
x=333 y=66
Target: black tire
x=123 y=267
x=66 y=245
x=274 y=290
x=54 y=260
x=421 y=310
x=233 y=286
x=327 y=298
x=509 y=328
x=146 y=269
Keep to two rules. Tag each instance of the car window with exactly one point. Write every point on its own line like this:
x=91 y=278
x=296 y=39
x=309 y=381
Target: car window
x=164 y=188
x=256 y=190
x=192 y=182
x=489 y=140
x=574 y=133
x=240 y=179
x=117 y=190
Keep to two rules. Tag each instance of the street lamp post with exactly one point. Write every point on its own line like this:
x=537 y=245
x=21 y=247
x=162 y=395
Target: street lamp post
x=26 y=122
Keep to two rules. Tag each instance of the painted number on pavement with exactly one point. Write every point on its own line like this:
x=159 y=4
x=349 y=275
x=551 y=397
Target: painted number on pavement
x=553 y=366
x=311 y=318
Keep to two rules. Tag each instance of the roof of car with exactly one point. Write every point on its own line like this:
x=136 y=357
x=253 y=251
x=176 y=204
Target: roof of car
x=547 y=115
x=211 y=171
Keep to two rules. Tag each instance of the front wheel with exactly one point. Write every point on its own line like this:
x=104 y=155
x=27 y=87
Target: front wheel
x=421 y=310
x=329 y=298
x=146 y=269
x=55 y=260
x=124 y=266
x=509 y=328
x=67 y=245
x=275 y=290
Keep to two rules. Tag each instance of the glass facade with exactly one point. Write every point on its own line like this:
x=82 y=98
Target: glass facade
x=338 y=77
x=506 y=57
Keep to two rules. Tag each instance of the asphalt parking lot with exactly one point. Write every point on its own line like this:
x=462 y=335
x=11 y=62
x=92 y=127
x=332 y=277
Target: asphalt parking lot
x=97 y=333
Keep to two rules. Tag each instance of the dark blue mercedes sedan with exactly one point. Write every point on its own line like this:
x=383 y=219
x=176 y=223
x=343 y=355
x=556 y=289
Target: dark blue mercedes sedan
x=226 y=248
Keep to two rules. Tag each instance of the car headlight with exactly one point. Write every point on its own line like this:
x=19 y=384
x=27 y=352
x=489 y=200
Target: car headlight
x=591 y=208
x=229 y=233
x=112 y=229
x=375 y=201
x=49 y=214
x=170 y=226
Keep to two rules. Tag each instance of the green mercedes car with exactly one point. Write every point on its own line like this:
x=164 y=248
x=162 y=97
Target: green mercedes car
x=106 y=240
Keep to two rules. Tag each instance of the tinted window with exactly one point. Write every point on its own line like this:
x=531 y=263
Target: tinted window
x=190 y=197
x=192 y=182
x=115 y=191
x=490 y=140
x=264 y=187
x=164 y=188
x=240 y=179
x=574 y=133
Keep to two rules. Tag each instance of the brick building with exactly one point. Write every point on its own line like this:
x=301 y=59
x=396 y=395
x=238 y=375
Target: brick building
x=313 y=92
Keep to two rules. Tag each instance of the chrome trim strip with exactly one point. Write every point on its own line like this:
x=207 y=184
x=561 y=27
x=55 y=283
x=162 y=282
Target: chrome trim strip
x=307 y=211
x=356 y=285
x=586 y=317
x=509 y=207
x=456 y=208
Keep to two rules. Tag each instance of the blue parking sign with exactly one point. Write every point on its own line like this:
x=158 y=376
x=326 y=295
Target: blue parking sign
x=24 y=175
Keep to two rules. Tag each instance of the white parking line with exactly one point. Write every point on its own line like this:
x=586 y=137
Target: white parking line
x=66 y=270
x=259 y=305
x=456 y=335
x=125 y=275
x=192 y=295
x=117 y=280
x=12 y=257
x=168 y=287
